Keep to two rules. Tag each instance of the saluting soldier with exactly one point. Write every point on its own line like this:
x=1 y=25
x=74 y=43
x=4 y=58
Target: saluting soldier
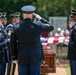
x=3 y=44
x=25 y=42
x=15 y=19
x=72 y=43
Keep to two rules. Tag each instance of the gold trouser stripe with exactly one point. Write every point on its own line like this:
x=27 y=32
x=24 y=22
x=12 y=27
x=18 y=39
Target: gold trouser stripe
x=11 y=69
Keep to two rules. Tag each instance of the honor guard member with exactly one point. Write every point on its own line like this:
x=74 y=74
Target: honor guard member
x=25 y=42
x=4 y=19
x=15 y=19
x=3 y=44
x=4 y=22
x=72 y=44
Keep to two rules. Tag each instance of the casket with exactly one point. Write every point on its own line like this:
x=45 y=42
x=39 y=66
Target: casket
x=48 y=66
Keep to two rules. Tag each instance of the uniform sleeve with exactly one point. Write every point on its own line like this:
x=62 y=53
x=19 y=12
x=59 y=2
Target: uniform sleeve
x=44 y=27
x=13 y=45
x=72 y=41
x=74 y=35
x=2 y=45
x=5 y=41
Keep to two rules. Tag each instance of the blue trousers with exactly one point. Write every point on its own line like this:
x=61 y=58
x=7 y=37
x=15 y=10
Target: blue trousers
x=9 y=67
x=33 y=69
x=2 y=68
x=73 y=67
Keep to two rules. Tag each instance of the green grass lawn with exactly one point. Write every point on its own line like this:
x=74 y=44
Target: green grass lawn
x=61 y=56
x=68 y=70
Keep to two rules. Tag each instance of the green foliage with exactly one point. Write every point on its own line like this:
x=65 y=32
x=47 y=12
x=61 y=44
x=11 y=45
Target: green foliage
x=45 y=8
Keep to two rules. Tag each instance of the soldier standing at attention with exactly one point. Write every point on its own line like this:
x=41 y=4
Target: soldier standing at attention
x=3 y=44
x=72 y=43
x=4 y=22
x=25 y=42
x=15 y=19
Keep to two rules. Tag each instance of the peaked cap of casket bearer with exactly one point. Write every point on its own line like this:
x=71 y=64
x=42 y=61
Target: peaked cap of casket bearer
x=4 y=15
x=16 y=14
x=28 y=9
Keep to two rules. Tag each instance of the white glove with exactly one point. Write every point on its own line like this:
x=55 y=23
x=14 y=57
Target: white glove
x=37 y=16
x=15 y=61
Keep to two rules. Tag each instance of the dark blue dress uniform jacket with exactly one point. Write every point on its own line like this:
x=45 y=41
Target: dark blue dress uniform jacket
x=25 y=42
x=10 y=27
x=72 y=44
x=3 y=45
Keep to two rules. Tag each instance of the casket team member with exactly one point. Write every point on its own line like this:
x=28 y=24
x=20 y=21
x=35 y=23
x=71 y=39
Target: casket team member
x=15 y=20
x=72 y=43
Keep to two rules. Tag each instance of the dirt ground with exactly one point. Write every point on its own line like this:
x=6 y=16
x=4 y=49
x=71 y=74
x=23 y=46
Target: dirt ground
x=61 y=68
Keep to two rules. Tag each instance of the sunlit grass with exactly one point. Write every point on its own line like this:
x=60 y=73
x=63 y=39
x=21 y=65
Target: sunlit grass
x=68 y=70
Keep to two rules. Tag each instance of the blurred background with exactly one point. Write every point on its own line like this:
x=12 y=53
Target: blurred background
x=56 y=11
x=46 y=8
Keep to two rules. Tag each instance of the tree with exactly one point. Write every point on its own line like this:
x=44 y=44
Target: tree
x=45 y=8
